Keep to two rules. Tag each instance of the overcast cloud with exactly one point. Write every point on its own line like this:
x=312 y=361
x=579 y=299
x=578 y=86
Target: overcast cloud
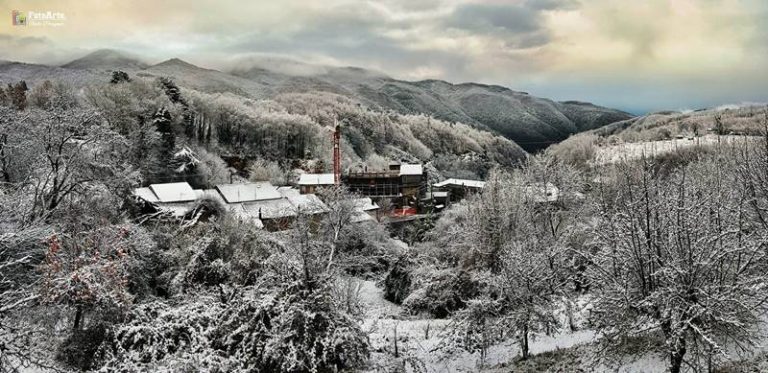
x=634 y=55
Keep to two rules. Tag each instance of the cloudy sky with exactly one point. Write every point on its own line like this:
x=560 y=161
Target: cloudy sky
x=637 y=55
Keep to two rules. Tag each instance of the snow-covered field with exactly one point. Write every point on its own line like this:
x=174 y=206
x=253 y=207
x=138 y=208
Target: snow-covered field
x=635 y=150
x=418 y=338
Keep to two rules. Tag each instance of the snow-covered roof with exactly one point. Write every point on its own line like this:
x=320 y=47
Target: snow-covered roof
x=411 y=169
x=173 y=192
x=146 y=194
x=361 y=216
x=306 y=203
x=460 y=182
x=248 y=192
x=270 y=209
x=316 y=179
x=364 y=204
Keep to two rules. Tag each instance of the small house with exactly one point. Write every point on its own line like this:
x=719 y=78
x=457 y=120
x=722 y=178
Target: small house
x=459 y=189
x=309 y=183
x=260 y=202
x=248 y=192
x=308 y=204
x=365 y=210
x=176 y=199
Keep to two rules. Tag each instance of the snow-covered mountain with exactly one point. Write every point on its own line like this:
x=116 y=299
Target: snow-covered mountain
x=532 y=122
x=108 y=60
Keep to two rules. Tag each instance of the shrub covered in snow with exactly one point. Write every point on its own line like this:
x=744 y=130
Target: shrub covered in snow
x=290 y=329
x=441 y=292
x=397 y=284
x=293 y=330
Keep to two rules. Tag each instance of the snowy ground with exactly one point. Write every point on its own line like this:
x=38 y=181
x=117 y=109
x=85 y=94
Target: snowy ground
x=563 y=352
x=418 y=338
x=635 y=150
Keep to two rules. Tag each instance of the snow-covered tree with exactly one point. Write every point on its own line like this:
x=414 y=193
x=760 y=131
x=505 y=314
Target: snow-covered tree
x=17 y=94
x=92 y=270
x=120 y=77
x=21 y=338
x=54 y=158
x=679 y=258
x=508 y=228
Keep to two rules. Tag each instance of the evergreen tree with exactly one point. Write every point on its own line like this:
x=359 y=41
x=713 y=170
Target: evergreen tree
x=172 y=91
x=3 y=97
x=120 y=77
x=18 y=95
x=163 y=123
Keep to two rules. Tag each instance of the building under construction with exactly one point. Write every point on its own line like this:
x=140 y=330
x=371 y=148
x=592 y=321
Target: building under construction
x=403 y=184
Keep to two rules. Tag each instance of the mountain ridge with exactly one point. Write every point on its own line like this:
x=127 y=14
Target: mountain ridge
x=107 y=59
x=533 y=122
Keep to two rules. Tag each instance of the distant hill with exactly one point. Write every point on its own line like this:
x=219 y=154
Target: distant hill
x=530 y=121
x=206 y=80
x=107 y=60
x=748 y=119
x=33 y=74
x=659 y=133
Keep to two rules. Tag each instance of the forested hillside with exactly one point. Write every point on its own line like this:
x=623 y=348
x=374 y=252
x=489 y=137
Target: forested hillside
x=663 y=132
x=532 y=122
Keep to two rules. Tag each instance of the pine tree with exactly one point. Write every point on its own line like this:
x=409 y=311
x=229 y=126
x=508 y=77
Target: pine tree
x=18 y=95
x=164 y=124
x=120 y=77
x=3 y=97
x=172 y=91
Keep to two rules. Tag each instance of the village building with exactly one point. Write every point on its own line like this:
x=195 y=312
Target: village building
x=308 y=204
x=261 y=203
x=404 y=184
x=248 y=192
x=258 y=202
x=310 y=183
x=458 y=189
x=365 y=210
x=437 y=200
x=175 y=199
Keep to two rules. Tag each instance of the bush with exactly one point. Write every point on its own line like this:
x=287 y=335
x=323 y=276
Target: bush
x=263 y=170
x=442 y=292
x=366 y=252
x=288 y=329
x=294 y=330
x=231 y=252
x=577 y=150
x=397 y=285
x=158 y=333
x=206 y=266
x=79 y=349
x=207 y=207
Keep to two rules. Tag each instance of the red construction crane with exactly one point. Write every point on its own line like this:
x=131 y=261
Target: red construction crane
x=337 y=154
